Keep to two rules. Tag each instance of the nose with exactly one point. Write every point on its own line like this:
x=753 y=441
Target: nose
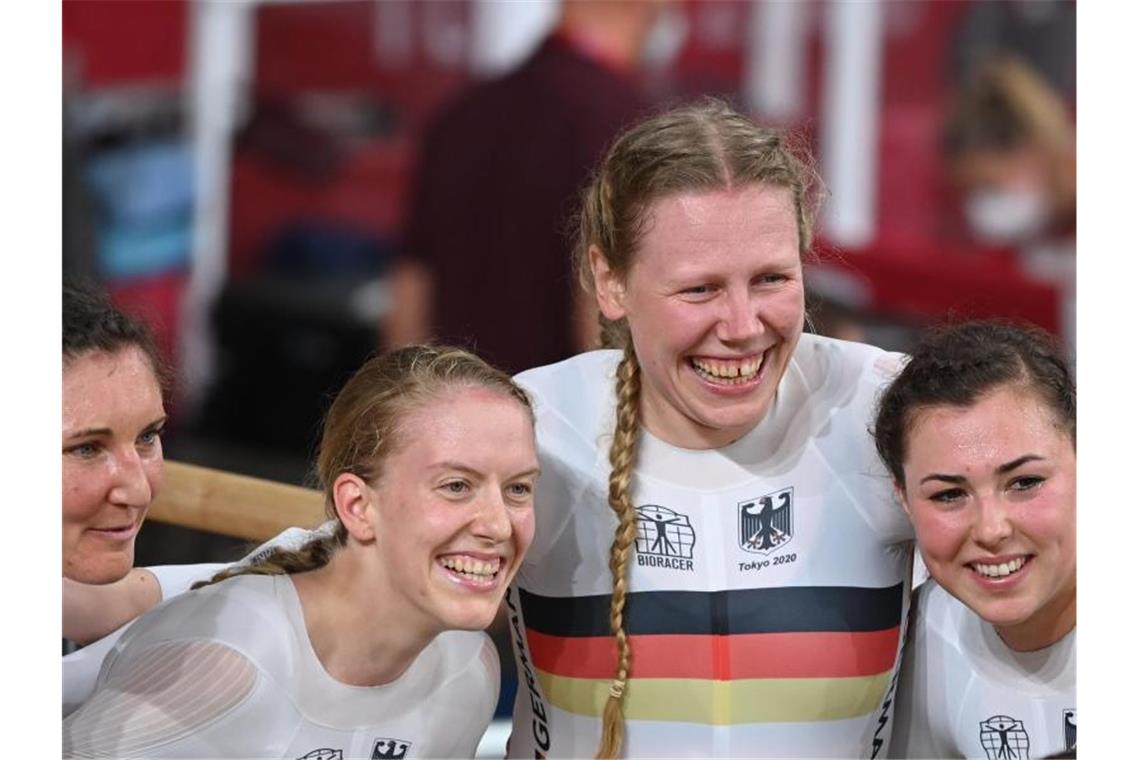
x=740 y=319
x=491 y=520
x=131 y=487
x=992 y=526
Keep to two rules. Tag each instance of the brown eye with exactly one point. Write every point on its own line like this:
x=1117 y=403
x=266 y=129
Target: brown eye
x=1026 y=483
x=948 y=496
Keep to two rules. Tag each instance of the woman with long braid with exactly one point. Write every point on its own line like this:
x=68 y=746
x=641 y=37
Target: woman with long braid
x=365 y=642
x=719 y=568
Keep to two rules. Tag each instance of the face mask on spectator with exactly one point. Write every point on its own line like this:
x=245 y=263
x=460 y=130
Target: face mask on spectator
x=1006 y=216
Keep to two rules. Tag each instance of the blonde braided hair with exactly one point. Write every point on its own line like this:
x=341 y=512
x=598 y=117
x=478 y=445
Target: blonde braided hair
x=623 y=455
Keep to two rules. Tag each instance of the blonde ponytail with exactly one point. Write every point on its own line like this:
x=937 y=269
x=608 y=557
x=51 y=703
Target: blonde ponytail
x=278 y=561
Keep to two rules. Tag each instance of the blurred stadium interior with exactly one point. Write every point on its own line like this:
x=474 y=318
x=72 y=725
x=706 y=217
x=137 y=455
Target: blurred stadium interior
x=238 y=172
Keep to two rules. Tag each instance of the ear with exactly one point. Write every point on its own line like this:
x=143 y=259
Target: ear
x=609 y=287
x=900 y=497
x=354 y=502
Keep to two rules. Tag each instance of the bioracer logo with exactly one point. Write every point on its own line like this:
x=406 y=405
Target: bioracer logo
x=664 y=538
x=1004 y=738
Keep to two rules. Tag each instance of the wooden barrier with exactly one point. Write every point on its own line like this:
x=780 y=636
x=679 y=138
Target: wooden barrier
x=233 y=505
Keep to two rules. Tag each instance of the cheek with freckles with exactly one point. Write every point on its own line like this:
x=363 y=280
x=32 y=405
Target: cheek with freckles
x=84 y=496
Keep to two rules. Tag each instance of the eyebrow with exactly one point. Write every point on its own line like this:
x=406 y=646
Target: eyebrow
x=1011 y=466
x=1001 y=469
x=472 y=471
x=89 y=432
x=956 y=479
x=104 y=431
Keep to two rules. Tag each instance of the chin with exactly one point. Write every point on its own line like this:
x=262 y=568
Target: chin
x=1002 y=613
x=469 y=620
x=99 y=572
x=733 y=423
x=742 y=420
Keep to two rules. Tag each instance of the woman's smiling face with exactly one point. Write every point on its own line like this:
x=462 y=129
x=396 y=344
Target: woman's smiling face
x=112 y=459
x=715 y=304
x=455 y=507
x=991 y=489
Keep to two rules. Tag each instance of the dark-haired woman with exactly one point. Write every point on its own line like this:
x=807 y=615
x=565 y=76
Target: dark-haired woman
x=113 y=418
x=366 y=642
x=979 y=433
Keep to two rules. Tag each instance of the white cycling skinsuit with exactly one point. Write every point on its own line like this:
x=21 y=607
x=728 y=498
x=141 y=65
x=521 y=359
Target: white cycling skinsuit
x=769 y=579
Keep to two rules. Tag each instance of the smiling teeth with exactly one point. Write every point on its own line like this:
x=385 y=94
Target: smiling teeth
x=734 y=371
x=998 y=571
x=471 y=568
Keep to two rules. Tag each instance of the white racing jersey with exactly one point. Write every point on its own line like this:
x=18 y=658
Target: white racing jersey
x=769 y=580
x=964 y=693
x=228 y=671
x=81 y=668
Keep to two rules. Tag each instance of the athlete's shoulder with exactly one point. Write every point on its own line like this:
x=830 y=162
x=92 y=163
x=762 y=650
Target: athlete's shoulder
x=247 y=613
x=469 y=655
x=574 y=406
x=819 y=357
x=583 y=379
x=940 y=620
x=180 y=676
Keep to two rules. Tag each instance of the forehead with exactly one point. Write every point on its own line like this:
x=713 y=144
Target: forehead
x=101 y=385
x=999 y=426
x=463 y=416
x=694 y=229
x=95 y=369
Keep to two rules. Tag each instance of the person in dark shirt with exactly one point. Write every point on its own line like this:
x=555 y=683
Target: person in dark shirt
x=487 y=259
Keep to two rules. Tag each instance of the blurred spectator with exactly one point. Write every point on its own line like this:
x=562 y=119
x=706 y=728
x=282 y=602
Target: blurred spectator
x=487 y=259
x=1011 y=148
x=1012 y=154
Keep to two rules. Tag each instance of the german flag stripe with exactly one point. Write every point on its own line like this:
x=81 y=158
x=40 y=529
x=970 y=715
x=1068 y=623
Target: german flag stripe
x=743 y=656
x=795 y=609
x=683 y=700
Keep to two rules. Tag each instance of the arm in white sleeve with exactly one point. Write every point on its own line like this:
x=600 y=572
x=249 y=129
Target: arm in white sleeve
x=81 y=668
x=157 y=697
